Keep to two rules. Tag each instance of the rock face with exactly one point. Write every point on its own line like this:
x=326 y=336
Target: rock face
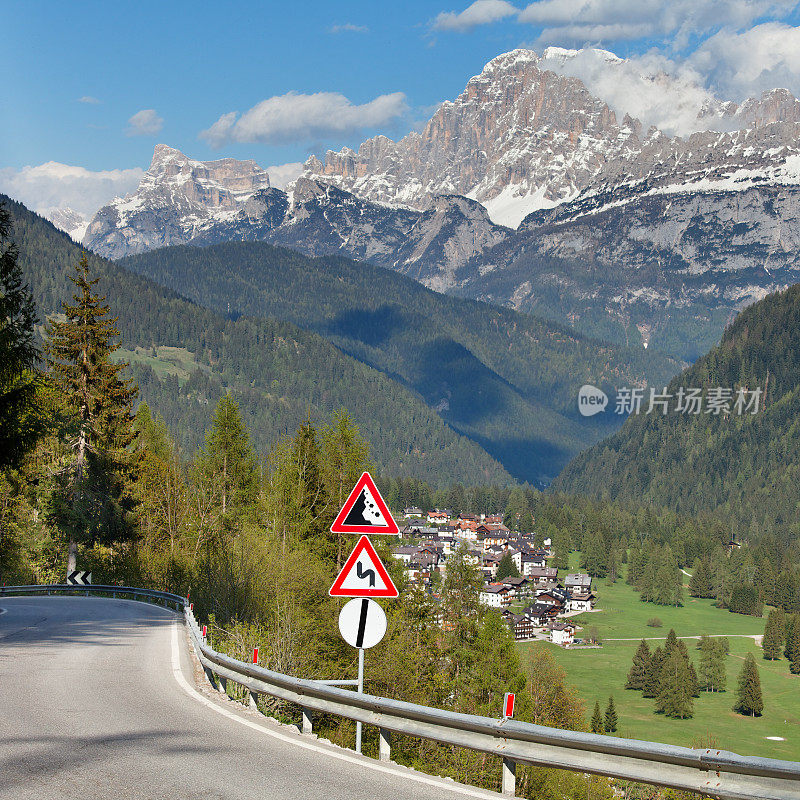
x=69 y=220
x=516 y=137
x=177 y=199
x=626 y=233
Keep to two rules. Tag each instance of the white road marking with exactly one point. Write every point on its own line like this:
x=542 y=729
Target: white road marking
x=402 y=773
x=3 y=611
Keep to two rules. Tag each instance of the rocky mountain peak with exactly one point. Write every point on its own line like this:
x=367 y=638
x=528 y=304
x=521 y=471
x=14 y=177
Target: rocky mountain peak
x=516 y=139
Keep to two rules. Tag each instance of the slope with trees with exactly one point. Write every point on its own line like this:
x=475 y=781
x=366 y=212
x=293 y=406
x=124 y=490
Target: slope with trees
x=745 y=467
x=505 y=379
x=276 y=371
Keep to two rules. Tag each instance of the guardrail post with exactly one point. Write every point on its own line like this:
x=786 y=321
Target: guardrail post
x=509 y=777
x=222 y=684
x=254 y=700
x=384 y=744
x=307 y=721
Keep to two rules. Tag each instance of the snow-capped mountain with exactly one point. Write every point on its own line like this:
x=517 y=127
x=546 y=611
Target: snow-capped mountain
x=69 y=220
x=176 y=198
x=620 y=229
x=516 y=139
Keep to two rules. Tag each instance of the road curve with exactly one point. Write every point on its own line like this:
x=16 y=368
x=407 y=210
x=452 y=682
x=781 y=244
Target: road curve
x=98 y=701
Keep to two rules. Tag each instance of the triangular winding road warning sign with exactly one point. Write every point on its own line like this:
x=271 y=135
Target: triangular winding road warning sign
x=365 y=511
x=363 y=575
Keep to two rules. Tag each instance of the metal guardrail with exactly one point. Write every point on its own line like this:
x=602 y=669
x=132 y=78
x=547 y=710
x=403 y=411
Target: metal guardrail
x=714 y=773
x=104 y=590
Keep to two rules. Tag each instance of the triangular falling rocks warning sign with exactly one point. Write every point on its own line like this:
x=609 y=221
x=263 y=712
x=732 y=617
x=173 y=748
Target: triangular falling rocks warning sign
x=363 y=575
x=365 y=511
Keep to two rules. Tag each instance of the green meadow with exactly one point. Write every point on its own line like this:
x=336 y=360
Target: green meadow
x=598 y=673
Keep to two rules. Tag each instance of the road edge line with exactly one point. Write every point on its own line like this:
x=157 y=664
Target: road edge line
x=399 y=771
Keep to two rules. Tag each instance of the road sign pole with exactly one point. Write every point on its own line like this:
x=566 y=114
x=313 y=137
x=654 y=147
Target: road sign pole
x=360 y=691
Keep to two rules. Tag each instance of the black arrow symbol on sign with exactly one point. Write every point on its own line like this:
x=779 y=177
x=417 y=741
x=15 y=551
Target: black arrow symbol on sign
x=365 y=573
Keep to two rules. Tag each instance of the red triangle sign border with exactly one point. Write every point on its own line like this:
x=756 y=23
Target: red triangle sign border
x=389 y=590
x=390 y=528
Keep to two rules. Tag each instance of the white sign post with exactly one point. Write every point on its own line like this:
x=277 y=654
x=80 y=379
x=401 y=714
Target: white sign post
x=362 y=623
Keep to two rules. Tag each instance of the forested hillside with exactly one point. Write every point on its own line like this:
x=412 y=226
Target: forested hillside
x=507 y=380
x=185 y=358
x=745 y=466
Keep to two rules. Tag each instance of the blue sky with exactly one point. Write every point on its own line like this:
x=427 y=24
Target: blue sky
x=95 y=85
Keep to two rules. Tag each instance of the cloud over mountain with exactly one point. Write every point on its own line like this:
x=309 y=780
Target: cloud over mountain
x=296 y=117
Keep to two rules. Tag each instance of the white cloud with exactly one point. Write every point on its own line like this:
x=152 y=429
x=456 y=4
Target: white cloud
x=89 y=99
x=297 y=117
x=282 y=175
x=651 y=87
x=740 y=65
x=348 y=27
x=481 y=12
x=145 y=123
x=580 y=21
x=58 y=185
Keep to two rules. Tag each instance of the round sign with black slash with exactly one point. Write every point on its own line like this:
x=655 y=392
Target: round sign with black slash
x=362 y=623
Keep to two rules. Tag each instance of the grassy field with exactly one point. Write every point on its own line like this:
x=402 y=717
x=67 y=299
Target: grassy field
x=168 y=361
x=596 y=674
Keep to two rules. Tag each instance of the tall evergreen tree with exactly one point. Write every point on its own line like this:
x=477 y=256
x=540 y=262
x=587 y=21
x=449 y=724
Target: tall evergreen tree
x=639 y=668
x=93 y=500
x=772 y=642
x=227 y=459
x=506 y=567
x=674 y=696
x=596 y=723
x=20 y=425
x=713 y=676
x=792 y=649
x=652 y=682
x=748 y=691
x=701 y=584
x=610 y=718
x=344 y=456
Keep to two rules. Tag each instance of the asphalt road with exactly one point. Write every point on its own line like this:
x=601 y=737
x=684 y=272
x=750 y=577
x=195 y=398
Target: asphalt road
x=99 y=700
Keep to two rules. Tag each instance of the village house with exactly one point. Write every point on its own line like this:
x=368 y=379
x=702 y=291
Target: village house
x=413 y=512
x=522 y=627
x=581 y=602
x=521 y=585
x=578 y=582
x=492 y=536
x=496 y=595
x=437 y=518
x=419 y=531
x=541 y=576
x=540 y=613
x=561 y=633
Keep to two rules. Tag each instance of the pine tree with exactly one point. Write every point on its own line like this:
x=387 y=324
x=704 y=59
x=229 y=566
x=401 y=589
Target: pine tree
x=671 y=642
x=713 y=677
x=701 y=583
x=772 y=642
x=610 y=718
x=506 y=567
x=639 y=668
x=674 y=696
x=20 y=425
x=595 y=556
x=93 y=501
x=748 y=693
x=345 y=456
x=227 y=459
x=596 y=724
x=652 y=682
x=792 y=649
